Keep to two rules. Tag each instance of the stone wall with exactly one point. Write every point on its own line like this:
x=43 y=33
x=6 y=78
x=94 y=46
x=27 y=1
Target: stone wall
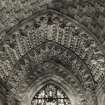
x=101 y=94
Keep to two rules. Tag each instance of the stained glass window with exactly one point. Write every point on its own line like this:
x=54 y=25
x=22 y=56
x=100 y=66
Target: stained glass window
x=50 y=95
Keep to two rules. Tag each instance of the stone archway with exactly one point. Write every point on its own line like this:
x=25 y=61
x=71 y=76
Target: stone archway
x=72 y=44
x=54 y=59
x=56 y=80
x=52 y=25
x=44 y=72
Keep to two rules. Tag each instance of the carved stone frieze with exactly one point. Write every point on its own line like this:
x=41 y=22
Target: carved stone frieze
x=88 y=13
x=30 y=68
x=65 y=38
x=61 y=30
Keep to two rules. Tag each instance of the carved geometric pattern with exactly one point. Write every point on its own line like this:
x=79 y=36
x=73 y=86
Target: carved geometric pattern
x=53 y=26
x=19 y=43
x=52 y=51
x=88 y=13
x=51 y=68
x=35 y=64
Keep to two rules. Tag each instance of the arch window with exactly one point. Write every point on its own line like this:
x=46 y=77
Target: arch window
x=50 y=95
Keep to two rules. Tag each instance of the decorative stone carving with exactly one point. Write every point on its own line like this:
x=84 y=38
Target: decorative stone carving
x=62 y=31
x=24 y=36
x=88 y=13
x=30 y=68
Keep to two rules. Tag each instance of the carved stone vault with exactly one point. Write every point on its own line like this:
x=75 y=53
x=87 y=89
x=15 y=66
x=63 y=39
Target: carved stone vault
x=50 y=46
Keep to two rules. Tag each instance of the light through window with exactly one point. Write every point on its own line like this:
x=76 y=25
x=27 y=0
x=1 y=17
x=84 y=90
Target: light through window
x=50 y=95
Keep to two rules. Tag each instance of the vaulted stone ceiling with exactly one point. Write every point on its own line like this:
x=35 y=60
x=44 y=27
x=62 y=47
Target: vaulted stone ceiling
x=59 y=37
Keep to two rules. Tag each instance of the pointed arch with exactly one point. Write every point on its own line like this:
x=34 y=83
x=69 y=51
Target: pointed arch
x=50 y=79
x=45 y=11
x=52 y=94
x=50 y=25
x=37 y=66
x=51 y=51
x=61 y=29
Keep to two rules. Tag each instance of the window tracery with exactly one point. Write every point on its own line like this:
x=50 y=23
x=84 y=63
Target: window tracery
x=50 y=95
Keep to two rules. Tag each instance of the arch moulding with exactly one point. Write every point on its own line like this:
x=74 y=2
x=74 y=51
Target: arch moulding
x=47 y=79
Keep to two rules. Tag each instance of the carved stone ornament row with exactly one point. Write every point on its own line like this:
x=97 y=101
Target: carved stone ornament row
x=59 y=29
x=90 y=13
x=35 y=64
x=59 y=39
